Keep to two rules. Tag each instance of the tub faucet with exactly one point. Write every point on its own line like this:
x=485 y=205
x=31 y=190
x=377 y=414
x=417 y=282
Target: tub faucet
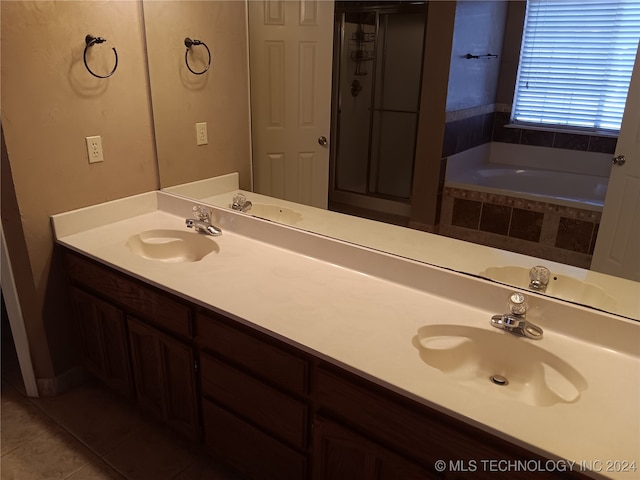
x=516 y=322
x=539 y=278
x=240 y=203
x=202 y=222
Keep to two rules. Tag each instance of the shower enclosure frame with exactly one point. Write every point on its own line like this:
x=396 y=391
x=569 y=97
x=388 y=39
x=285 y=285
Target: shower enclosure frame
x=368 y=200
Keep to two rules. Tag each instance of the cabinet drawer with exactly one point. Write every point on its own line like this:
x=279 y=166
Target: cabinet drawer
x=255 y=353
x=154 y=306
x=248 y=449
x=250 y=398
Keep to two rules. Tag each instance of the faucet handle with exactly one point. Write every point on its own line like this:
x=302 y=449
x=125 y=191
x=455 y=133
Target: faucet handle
x=518 y=303
x=539 y=277
x=239 y=199
x=201 y=213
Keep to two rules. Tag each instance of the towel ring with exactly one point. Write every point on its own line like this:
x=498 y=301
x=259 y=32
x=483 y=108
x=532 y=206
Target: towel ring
x=90 y=40
x=188 y=43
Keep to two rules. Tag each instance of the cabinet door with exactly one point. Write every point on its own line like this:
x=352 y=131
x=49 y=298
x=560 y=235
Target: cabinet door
x=341 y=453
x=147 y=366
x=103 y=340
x=164 y=372
x=180 y=398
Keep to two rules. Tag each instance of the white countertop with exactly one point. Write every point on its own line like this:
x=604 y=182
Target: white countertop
x=361 y=309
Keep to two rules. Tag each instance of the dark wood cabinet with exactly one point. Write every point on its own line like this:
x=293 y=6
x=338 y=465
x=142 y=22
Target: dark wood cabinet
x=399 y=434
x=284 y=417
x=266 y=358
x=133 y=296
x=251 y=450
x=164 y=374
x=136 y=339
x=340 y=453
x=103 y=337
x=265 y=407
x=254 y=399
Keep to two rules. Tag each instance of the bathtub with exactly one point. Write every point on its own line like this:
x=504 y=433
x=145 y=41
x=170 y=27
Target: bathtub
x=568 y=189
x=560 y=177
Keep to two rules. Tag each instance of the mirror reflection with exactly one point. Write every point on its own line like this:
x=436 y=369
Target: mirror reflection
x=377 y=78
x=412 y=123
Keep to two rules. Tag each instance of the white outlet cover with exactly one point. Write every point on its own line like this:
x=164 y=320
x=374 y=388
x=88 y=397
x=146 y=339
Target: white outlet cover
x=202 y=137
x=94 y=149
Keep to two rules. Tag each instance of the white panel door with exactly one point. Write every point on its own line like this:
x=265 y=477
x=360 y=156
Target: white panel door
x=617 y=250
x=290 y=49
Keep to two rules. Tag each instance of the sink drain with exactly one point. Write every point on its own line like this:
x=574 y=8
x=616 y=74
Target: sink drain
x=499 y=380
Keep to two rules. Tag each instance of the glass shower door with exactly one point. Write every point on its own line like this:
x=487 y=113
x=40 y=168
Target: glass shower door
x=378 y=93
x=395 y=104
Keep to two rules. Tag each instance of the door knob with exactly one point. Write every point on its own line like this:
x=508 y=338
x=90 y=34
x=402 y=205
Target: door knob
x=619 y=160
x=322 y=141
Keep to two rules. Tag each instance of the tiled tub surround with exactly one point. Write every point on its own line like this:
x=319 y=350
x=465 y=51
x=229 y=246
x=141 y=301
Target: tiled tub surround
x=360 y=309
x=545 y=230
x=503 y=131
x=469 y=128
x=492 y=196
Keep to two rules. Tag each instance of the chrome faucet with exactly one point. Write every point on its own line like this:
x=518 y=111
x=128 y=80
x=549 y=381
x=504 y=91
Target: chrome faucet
x=539 y=278
x=240 y=203
x=516 y=322
x=202 y=222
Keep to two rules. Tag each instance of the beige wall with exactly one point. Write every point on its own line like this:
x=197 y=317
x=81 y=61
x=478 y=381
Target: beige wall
x=514 y=27
x=435 y=80
x=50 y=103
x=219 y=97
x=453 y=83
x=479 y=29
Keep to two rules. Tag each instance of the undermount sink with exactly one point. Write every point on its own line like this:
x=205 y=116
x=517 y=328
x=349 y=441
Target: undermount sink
x=499 y=363
x=172 y=246
x=275 y=213
x=567 y=288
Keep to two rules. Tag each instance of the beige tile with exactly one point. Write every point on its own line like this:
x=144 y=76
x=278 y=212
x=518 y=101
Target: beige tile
x=550 y=229
x=152 y=453
x=53 y=455
x=21 y=422
x=12 y=375
x=96 y=416
x=11 y=394
x=97 y=470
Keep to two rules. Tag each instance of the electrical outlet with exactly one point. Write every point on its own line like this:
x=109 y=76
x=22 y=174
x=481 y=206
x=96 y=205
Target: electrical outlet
x=201 y=133
x=94 y=149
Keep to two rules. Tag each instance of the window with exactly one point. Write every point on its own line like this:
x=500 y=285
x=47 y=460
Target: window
x=575 y=63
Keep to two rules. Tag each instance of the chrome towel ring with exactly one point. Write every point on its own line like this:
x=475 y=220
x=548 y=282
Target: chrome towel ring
x=189 y=43
x=90 y=40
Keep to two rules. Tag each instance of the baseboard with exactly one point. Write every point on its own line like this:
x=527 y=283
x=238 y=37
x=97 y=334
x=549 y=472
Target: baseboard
x=50 y=387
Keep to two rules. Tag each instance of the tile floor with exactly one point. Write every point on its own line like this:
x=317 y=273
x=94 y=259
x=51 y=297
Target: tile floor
x=89 y=434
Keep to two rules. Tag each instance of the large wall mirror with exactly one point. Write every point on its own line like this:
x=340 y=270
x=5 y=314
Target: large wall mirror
x=460 y=112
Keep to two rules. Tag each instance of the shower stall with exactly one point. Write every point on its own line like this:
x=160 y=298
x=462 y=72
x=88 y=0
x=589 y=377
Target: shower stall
x=378 y=53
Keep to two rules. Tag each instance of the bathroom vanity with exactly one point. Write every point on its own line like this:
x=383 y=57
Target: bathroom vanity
x=290 y=355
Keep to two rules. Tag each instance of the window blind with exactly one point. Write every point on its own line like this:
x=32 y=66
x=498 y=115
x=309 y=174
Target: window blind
x=575 y=63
